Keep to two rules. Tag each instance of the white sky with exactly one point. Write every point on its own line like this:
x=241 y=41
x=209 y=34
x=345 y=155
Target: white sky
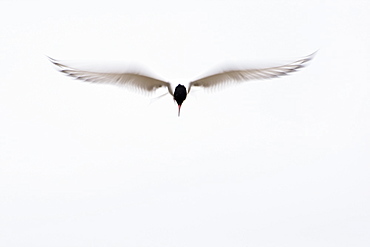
x=283 y=162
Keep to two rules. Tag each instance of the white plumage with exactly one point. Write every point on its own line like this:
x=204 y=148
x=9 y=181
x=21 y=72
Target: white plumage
x=137 y=80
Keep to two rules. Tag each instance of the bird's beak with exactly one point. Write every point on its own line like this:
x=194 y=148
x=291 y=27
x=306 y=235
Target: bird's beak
x=179 y=110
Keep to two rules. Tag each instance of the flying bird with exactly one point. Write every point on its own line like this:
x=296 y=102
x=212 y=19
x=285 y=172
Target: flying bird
x=138 y=80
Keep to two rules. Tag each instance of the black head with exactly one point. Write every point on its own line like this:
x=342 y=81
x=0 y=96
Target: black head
x=180 y=95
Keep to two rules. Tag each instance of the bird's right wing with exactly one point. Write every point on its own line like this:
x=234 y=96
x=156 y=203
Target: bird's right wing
x=240 y=75
x=133 y=80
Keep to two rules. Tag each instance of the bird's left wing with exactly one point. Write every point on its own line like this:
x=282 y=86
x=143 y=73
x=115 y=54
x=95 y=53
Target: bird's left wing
x=133 y=80
x=240 y=75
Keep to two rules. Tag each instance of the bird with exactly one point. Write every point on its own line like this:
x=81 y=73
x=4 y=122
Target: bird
x=138 y=80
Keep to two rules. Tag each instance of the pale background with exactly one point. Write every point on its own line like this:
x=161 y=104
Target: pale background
x=283 y=162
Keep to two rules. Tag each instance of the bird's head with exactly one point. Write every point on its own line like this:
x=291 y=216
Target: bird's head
x=179 y=95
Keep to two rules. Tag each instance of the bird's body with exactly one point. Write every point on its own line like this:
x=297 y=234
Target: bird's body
x=147 y=83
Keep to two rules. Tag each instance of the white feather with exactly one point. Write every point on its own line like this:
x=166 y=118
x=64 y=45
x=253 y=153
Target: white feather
x=136 y=80
x=129 y=79
x=240 y=75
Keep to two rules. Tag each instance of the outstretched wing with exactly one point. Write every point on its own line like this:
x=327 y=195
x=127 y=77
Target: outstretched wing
x=240 y=75
x=133 y=80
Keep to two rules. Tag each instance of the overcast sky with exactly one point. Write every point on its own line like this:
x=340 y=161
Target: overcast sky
x=282 y=162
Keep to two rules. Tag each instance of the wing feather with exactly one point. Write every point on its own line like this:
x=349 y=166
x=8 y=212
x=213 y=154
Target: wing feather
x=240 y=75
x=133 y=80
